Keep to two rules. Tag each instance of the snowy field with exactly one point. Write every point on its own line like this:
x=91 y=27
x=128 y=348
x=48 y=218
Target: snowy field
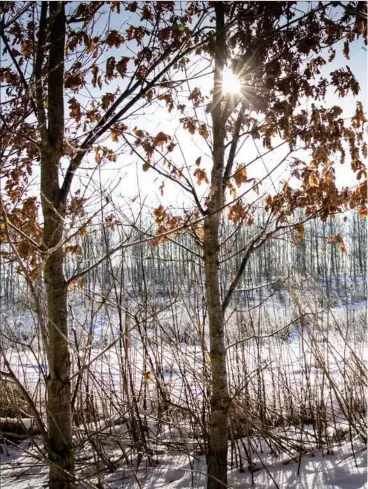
x=298 y=397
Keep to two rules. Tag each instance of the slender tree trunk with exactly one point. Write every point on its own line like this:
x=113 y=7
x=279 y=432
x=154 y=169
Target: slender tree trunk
x=58 y=385
x=217 y=452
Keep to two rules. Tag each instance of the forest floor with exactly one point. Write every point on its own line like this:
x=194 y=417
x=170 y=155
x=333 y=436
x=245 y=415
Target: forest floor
x=317 y=470
x=323 y=367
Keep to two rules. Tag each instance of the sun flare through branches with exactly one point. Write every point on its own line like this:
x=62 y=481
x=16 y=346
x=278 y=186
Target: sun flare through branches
x=230 y=83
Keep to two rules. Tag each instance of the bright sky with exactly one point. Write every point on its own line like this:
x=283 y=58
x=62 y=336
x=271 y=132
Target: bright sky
x=125 y=179
x=135 y=181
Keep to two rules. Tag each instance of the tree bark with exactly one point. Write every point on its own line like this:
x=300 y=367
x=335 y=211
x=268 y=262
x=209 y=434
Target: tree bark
x=60 y=451
x=217 y=451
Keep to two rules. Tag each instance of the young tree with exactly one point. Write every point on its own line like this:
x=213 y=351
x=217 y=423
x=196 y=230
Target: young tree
x=70 y=75
x=278 y=55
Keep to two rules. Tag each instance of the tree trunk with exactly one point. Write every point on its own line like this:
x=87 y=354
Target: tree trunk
x=217 y=450
x=58 y=385
x=217 y=453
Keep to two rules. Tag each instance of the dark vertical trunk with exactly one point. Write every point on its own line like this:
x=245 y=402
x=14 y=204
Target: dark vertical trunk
x=217 y=450
x=58 y=386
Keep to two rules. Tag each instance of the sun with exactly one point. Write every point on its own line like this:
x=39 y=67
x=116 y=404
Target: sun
x=230 y=82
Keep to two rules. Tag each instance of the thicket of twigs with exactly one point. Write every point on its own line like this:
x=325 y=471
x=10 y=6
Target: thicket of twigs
x=139 y=344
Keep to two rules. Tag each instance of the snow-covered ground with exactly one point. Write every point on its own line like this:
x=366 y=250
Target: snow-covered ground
x=173 y=470
x=320 y=362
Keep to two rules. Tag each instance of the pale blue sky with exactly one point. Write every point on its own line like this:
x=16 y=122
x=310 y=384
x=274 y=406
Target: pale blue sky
x=156 y=120
x=128 y=168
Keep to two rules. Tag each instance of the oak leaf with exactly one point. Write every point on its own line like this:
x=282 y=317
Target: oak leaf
x=189 y=124
x=201 y=175
x=74 y=81
x=110 y=67
x=146 y=166
x=161 y=138
x=313 y=180
x=107 y=100
x=75 y=109
x=122 y=66
x=240 y=175
x=114 y=38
